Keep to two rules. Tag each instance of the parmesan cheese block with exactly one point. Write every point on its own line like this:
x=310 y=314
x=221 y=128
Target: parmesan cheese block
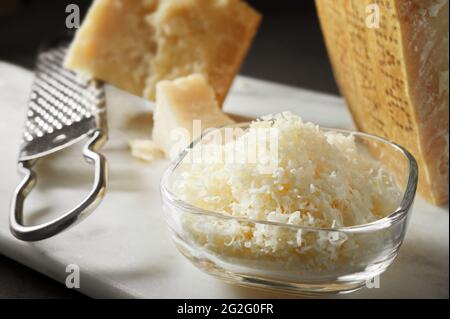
x=394 y=76
x=184 y=108
x=134 y=44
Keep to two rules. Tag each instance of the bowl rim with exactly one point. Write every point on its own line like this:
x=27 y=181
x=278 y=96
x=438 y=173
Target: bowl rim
x=397 y=215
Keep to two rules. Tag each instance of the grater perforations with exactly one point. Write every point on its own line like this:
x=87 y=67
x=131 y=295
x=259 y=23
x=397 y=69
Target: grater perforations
x=63 y=105
x=60 y=97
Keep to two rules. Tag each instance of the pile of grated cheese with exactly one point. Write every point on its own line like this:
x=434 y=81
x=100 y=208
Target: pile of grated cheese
x=322 y=180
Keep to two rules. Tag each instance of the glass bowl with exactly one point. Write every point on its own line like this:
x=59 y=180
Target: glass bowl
x=202 y=236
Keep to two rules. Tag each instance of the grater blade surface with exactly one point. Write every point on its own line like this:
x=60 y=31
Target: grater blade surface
x=64 y=107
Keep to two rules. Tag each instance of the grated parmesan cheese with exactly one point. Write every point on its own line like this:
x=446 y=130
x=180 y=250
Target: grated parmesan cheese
x=322 y=180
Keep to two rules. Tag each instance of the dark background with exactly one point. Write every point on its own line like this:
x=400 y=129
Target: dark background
x=288 y=49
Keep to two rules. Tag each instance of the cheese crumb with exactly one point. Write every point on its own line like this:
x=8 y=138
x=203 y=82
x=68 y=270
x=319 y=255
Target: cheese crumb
x=145 y=150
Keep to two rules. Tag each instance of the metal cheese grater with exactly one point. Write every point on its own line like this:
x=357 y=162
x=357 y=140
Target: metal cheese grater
x=64 y=108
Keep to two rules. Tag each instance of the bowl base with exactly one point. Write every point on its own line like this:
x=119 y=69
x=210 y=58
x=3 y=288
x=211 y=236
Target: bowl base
x=298 y=288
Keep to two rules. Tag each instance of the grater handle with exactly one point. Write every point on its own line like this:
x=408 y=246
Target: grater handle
x=74 y=216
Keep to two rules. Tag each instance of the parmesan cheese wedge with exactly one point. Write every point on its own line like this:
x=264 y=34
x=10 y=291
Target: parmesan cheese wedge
x=390 y=59
x=135 y=44
x=184 y=109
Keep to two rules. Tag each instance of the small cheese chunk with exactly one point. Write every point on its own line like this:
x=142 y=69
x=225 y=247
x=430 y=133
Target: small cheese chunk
x=145 y=150
x=184 y=108
x=394 y=77
x=135 y=44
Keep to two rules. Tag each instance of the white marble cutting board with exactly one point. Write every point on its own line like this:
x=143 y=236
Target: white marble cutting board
x=124 y=249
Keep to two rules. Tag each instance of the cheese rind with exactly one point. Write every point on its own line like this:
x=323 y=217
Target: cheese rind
x=394 y=78
x=135 y=44
x=178 y=104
